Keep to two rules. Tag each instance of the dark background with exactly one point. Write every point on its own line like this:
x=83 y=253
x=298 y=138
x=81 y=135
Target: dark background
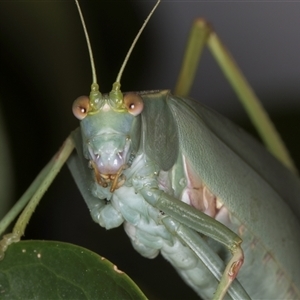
x=45 y=66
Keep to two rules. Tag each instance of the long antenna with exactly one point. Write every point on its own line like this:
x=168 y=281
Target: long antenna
x=134 y=42
x=95 y=94
x=88 y=44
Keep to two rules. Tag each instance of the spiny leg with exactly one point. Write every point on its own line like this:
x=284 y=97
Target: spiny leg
x=202 y=34
x=202 y=223
x=210 y=259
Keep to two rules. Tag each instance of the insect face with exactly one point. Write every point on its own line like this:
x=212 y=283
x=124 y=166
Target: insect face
x=108 y=133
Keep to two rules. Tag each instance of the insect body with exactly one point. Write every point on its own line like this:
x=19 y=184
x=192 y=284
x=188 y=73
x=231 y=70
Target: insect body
x=165 y=164
x=156 y=182
x=140 y=169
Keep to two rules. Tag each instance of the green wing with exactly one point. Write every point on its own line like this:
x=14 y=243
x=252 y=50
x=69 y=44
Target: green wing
x=254 y=186
x=256 y=189
x=219 y=139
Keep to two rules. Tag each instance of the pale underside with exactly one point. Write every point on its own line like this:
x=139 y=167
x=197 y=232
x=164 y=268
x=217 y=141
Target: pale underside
x=149 y=237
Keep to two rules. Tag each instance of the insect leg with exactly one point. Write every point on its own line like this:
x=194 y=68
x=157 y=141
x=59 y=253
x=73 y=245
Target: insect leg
x=33 y=195
x=200 y=222
x=201 y=34
x=213 y=262
x=84 y=179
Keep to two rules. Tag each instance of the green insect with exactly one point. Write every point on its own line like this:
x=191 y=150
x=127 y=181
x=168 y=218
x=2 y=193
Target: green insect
x=169 y=168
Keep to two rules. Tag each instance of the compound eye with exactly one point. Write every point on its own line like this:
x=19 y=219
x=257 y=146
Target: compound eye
x=81 y=107
x=134 y=103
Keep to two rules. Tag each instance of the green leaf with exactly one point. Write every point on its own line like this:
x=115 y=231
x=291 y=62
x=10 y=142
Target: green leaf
x=55 y=270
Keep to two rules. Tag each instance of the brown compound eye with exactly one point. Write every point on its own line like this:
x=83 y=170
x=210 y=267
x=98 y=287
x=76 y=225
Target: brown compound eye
x=134 y=103
x=81 y=107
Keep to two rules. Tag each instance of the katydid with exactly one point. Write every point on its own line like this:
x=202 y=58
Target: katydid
x=186 y=164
